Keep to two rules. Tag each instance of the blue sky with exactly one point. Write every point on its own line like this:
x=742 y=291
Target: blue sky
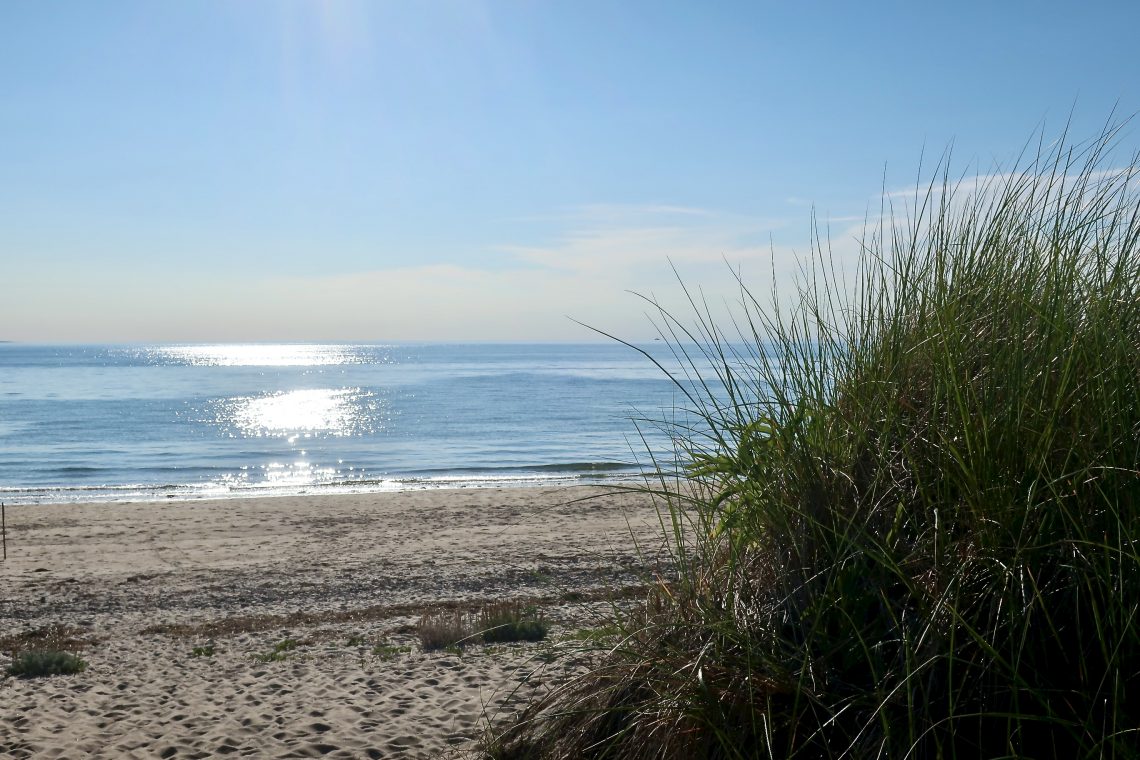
x=378 y=171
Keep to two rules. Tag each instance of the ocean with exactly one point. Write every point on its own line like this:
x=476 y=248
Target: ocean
x=134 y=422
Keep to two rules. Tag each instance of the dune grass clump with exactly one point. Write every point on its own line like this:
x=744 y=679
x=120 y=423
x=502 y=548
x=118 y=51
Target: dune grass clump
x=907 y=519
x=443 y=629
x=494 y=622
x=511 y=621
x=39 y=663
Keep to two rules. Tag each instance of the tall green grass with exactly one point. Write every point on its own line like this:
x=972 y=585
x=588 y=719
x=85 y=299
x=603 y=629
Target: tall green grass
x=907 y=521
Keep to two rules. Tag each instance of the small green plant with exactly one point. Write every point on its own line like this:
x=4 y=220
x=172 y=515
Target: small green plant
x=38 y=663
x=511 y=621
x=286 y=645
x=440 y=630
x=389 y=652
x=355 y=640
x=206 y=650
x=280 y=651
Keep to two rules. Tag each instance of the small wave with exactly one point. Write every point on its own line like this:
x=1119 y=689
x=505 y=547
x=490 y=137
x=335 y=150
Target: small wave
x=92 y=489
x=567 y=467
x=213 y=487
x=582 y=467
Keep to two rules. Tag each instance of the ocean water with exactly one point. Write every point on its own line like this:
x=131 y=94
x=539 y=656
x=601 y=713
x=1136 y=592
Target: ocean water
x=97 y=423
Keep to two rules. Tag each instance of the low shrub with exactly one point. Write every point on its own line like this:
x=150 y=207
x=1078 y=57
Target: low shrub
x=37 y=663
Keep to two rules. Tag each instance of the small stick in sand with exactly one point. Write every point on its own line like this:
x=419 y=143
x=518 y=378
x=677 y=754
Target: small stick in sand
x=4 y=528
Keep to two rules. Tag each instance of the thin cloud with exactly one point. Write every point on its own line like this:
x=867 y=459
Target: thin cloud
x=614 y=240
x=1043 y=178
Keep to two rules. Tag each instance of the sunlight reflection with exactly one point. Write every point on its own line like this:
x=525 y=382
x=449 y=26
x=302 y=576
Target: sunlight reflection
x=345 y=411
x=260 y=355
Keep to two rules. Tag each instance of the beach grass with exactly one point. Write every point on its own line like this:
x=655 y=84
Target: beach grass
x=905 y=509
x=443 y=630
x=493 y=623
x=511 y=621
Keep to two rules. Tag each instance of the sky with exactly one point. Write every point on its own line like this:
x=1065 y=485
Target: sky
x=311 y=170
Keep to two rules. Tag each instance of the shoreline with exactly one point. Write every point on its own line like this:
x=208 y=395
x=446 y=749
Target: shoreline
x=344 y=577
x=162 y=494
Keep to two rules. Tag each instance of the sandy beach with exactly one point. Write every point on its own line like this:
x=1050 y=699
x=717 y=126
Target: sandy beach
x=286 y=627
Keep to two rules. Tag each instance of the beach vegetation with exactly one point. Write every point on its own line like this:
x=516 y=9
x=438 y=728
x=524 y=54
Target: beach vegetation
x=280 y=651
x=905 y=509
x=389 y=651
x=511 y=621
x=39 y=663
x=492 y=623
x=286 y=645
x=206 y=650
x=442 y=629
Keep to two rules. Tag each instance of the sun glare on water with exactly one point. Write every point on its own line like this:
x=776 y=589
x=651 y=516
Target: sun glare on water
x=260 y=355
x=324 y=411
